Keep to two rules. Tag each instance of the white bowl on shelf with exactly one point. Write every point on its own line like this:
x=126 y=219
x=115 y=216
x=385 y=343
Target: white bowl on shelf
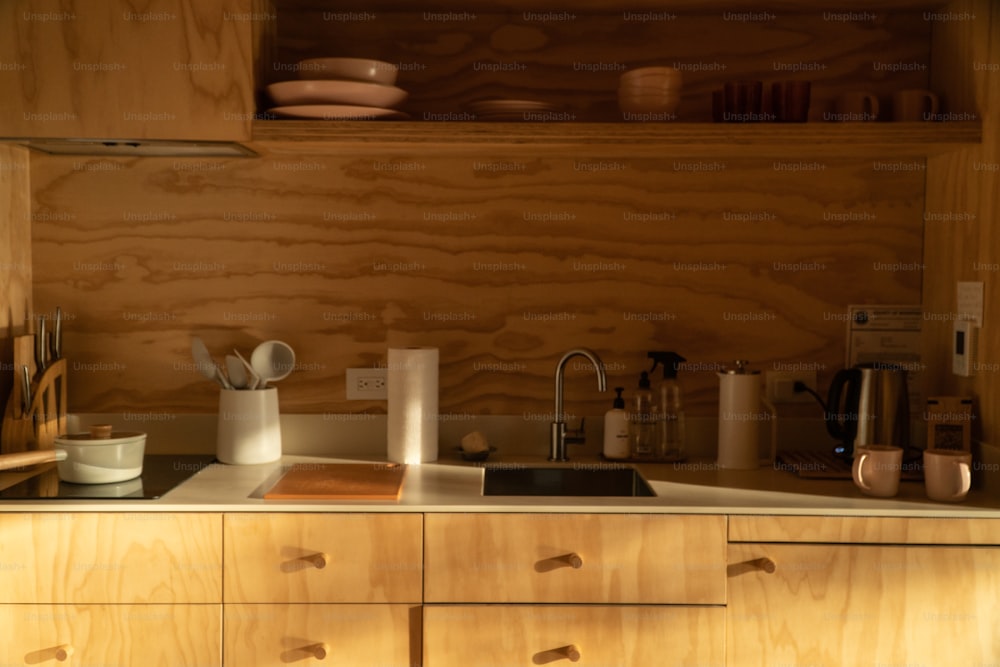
x=352 y=69
x=358 y=93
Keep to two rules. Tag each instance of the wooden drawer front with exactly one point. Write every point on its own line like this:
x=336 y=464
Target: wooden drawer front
x=529 y=635
x=120 y=634
x=285 y=557
x=828 y=605
x=111 y=558
x=332 y=635
x=864 y=530
x=626 y=558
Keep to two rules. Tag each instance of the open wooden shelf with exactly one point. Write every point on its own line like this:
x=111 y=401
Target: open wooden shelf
x=604 y=6
x=616 y=139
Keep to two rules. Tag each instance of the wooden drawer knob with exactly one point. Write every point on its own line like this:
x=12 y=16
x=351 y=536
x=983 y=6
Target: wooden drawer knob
x=571 y=652
x=765 y=564
x=319 y=651
x=574 y=561
x=63 y=652
x=319 y=560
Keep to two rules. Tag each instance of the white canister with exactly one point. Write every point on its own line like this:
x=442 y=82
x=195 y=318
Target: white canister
x=249 y=426
x=739 y=418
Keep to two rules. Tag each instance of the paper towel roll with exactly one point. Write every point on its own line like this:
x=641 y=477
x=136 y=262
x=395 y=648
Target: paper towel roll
x=412 y=384
x=739 y=421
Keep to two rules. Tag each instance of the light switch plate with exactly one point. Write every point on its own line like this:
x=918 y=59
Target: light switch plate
x=963 y=349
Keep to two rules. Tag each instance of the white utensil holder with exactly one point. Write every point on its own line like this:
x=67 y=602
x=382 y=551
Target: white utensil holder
x=249 y=426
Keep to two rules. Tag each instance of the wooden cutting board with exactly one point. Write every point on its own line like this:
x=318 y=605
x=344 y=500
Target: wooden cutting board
x=339 y=481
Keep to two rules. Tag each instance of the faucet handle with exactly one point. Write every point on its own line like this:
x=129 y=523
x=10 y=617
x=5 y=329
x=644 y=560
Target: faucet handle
x=576 y=436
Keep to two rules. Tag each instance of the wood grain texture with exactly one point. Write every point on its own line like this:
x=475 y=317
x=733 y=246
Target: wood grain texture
x=15 y=259
x=291 y=138
x=111 y=558
x=963 y=199
x=357 y=635
x=502 y=263
x=113 y=634
x=167 y=69
x=852 y=605
x=604 y=7
x=449 y=60
x=864 y=530
x=642 y=559
x=507 y=635
x=369 y=558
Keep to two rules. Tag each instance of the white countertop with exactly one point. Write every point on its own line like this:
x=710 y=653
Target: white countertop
x=452 y=485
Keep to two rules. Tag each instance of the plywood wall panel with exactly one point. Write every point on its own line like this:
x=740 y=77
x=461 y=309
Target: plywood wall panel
x=15 y=258
x=963 y=191
x=504 y=269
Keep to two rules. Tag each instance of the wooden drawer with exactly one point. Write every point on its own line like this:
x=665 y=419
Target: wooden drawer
x=830 y=605
x=332 y=635
x=620 y=558
x=111 y=557
x=284 y=557
x=119 y=634
x=529 y=635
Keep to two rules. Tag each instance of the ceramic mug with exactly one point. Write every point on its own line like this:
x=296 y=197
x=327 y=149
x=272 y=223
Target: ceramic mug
x=790 y=101
x=742 y=101
x=947 y=474
x=856 y=105
x=914 y=106
x=876 y=470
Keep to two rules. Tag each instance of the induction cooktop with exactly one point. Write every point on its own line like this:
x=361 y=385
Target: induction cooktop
x=160 y=474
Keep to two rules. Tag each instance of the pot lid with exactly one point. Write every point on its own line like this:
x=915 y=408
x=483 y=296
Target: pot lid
x=99 y=434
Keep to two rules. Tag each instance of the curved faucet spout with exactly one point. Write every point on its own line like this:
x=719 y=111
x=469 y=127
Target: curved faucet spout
x=557 y=440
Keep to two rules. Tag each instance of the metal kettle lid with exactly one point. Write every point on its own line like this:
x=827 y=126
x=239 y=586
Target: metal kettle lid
x=741 y=369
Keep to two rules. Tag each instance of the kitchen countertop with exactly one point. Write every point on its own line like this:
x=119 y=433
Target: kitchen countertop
x=452 y=485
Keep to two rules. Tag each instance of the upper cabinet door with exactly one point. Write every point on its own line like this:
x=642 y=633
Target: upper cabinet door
x=155 y=69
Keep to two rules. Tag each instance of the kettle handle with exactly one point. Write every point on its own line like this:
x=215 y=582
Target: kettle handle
x=845 y=388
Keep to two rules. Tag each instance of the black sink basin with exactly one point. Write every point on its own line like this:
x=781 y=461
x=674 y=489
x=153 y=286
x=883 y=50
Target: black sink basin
x=582 y=480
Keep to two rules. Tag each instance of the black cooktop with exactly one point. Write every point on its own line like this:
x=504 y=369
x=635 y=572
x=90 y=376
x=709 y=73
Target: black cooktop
x=160 y=473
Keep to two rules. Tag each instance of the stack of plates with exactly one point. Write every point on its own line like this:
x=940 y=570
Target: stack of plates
x=516 y=111
x=340 y=89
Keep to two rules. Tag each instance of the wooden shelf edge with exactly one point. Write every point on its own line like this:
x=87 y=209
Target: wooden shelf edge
x=639 y=139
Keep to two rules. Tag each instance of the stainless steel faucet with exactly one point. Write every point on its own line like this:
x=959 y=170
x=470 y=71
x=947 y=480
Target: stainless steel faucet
x=557 y=439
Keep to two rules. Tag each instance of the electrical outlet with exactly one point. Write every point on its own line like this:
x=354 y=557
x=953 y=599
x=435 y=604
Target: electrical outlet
x=366 y=384
x=781 y=386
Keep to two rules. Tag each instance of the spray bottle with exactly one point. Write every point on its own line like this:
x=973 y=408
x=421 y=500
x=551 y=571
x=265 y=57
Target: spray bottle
x=670 y=436
x=642 y=421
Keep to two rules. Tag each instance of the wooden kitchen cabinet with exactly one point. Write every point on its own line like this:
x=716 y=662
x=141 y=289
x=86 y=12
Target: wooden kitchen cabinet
x=527 y=635
x=120 y=634
x=579 y=558
x=108 y=557
x=288 y=557
x=165 y=69
x=334 y=635
x=871 y=602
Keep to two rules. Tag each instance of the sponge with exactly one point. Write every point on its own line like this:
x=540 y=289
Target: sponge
x=475 y=443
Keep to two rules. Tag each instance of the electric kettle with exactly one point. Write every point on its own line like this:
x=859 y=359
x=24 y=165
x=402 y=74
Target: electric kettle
x=869 y=405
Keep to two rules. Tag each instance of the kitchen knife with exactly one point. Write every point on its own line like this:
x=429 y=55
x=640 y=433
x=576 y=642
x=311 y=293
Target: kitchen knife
x=25 y=391
x=41 y=348
x=56 y=342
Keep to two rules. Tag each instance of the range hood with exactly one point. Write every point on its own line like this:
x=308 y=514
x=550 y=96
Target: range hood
x=137 y=147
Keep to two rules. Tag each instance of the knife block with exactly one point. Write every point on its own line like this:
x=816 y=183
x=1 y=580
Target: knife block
x=45 y=418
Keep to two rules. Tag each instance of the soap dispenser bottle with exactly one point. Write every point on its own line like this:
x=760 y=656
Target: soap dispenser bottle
x=642 y=421
x=616 y=440
x=670 y=444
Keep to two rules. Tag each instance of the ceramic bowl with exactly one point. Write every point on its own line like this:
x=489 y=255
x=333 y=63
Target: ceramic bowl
x=351 y=69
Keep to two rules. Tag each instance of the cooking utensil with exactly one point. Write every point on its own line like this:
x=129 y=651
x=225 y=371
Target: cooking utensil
x=98 y=457
x=252 y=378
x=41 y=347
x=206 y=365
x=237 y=374
x=25 y=391
x=56 y=342
x=272 y=360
